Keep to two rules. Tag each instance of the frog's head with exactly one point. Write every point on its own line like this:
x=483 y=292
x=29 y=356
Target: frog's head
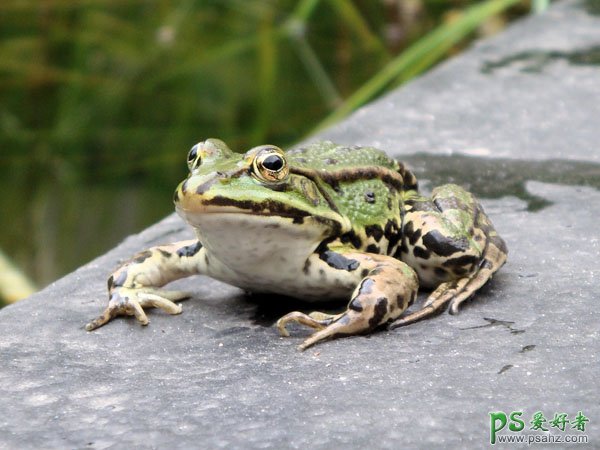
x=255 y=197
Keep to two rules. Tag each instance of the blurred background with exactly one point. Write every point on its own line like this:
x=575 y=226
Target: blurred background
x=100 y=100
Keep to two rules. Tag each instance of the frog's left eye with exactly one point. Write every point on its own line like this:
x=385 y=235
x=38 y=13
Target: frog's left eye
x=193 y=158
x=270 y=164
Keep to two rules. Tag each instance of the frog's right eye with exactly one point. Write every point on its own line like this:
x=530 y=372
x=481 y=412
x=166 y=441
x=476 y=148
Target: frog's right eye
x=193 y=159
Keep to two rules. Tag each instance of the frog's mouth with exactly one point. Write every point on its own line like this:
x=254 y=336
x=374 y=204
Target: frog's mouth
x=195 y=211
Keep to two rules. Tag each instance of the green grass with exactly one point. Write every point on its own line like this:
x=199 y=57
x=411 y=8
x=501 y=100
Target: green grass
x=83 y=83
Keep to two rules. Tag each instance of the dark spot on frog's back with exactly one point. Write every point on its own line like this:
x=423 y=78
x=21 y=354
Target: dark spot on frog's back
x=338 y=261
x=330 y=161
x=372 y=248
x=461 y=261
x=352 y=238
x=370 y=197
x=444 y=245
x=375 y=231
x=411 y=234
x=189 y=250
x=421 y=253
x=391 y=232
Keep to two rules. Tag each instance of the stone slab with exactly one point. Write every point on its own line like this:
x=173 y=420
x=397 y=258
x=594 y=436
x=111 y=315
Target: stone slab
x=524 y=107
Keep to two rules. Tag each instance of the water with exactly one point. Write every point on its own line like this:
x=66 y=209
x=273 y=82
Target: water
x=50 y=227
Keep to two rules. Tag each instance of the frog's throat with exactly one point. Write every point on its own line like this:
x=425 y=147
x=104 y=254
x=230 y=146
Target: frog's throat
x=250 y=250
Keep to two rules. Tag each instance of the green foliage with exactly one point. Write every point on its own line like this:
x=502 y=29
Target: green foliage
x=86 y=82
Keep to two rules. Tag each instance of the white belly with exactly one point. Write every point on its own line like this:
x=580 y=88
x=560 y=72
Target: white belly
x=260 y=253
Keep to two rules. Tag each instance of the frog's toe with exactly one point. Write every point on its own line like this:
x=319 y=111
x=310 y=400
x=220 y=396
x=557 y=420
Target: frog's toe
x=435 y=303
x=107 y=315
x=162 y=299
x=131 y=302
x=315 y=320
x=348 y=323
x=457 y=301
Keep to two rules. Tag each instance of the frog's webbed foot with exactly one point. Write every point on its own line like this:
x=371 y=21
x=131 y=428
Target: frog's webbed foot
x=132 y=301
x=386 y=291
x=135 y=285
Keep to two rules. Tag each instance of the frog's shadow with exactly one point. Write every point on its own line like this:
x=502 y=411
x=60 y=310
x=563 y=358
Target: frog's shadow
x=268 y=308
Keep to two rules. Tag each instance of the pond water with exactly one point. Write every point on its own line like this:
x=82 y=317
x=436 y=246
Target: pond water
x=51 y=227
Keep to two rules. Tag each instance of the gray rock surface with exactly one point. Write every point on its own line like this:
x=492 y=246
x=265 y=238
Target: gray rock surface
x=525 y=107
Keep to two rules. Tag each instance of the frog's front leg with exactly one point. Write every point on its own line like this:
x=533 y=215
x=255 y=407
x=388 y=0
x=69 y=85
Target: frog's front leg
x=135 y=284
x=385 y=287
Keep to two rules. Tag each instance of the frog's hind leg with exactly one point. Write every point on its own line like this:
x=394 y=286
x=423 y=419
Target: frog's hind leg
x=458 y=249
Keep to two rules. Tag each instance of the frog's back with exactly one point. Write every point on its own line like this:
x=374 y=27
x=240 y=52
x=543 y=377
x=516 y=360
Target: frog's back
x=337 y=163
x=366 y=186
x=329 y=156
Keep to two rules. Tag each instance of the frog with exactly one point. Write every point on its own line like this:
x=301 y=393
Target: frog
x=319 y=222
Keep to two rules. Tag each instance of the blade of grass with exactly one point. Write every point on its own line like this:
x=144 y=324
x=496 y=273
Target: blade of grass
x=316 y=71
x=304 y=10
x=419 y=56
x=356 y=21
x=267 y=74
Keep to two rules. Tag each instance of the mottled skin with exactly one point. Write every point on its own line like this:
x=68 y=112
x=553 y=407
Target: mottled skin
x=317 y=223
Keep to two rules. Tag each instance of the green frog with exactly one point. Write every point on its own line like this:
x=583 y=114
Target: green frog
x=321 y=222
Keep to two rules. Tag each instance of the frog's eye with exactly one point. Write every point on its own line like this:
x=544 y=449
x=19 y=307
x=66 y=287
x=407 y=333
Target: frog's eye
x=269 y=164
x=193 y=158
